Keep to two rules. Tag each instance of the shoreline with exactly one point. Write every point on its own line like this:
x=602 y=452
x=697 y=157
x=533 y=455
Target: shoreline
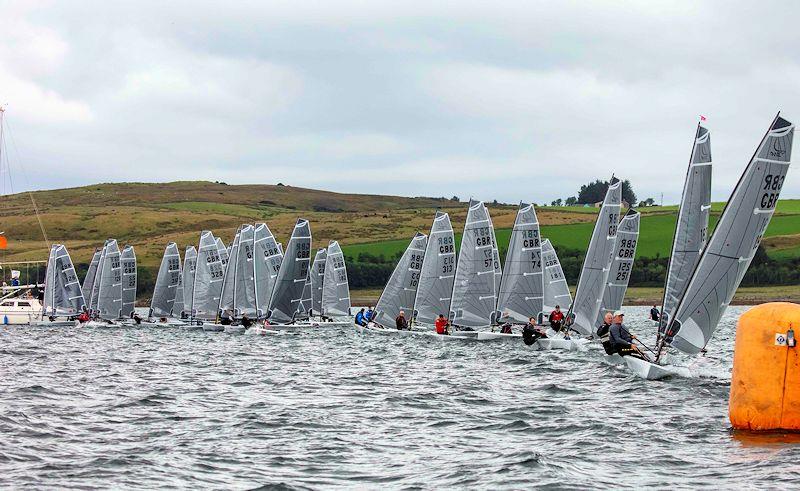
x=645 y=295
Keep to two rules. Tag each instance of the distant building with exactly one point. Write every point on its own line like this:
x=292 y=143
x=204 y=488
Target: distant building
x=625 y=204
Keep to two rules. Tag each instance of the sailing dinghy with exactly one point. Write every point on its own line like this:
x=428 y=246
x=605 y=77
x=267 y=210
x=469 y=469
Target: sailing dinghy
x=555 y=289
x=400 y=291
x=207 y=287
x=437 y=274
x=290 y=282
x=189 y=267
x=729 y=252
x=521 y=285
x=162 y=305
x=91 y=273
x=335 y=287
x=129 y=272
x=63 y=298
x=268 y=256
x=109 y=287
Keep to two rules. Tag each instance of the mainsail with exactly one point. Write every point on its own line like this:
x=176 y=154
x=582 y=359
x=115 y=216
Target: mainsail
x=401 y=288
x=438 y=272
x=189 y=267
x=95 y=295
x=207 y=278
x=596 y=265
x=63 y=294
x=292 y=275
x=521 y=288
x=128 y=258
x=109 y=296
x=556 y=290
x=621 y=267
x=691 y=231
x=244 y=280
x=731 y=248
x=317 y=276
x=169 y=274
x=498 y=268
x=473 y=302
x=91 y=273
x=304 y=307
x=335 y=288
x=224 y=253
x=268 y=257
x=226 y=302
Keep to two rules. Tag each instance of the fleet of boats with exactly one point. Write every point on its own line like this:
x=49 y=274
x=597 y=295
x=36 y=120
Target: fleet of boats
x=257 y=287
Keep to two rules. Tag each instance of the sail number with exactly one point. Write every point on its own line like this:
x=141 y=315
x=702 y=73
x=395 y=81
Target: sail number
x=613 y=218
x=446 y=245
x=627 y=248
x=772 y=188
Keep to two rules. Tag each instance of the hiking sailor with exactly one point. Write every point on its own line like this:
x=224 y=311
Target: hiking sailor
x=400 y=321
x=556 y=319
x=622 y=339
x=604 y=333
x=531 y=332
x=360 y=319
x=654 y=314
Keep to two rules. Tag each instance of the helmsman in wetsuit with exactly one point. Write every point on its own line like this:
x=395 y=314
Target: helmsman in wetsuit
x=604 y=333
x=531 y=332
x=622 y=339
x=556 y=319
x=654 y=313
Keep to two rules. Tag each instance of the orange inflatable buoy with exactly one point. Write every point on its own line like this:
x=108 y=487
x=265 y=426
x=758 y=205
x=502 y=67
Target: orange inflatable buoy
x=765 y=385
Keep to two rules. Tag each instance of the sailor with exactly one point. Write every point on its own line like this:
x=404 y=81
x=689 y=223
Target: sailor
x=400 y=321
x=556 y=319
x=246 y=322
x=136 y=318
x=84 y=317
x=531 y=332
x=654 y=314
x=622 y=339
x=370 y=314
x=441 y=325
x=604 y=333
x=360 y=320
x=225 y=318
x=506 y=328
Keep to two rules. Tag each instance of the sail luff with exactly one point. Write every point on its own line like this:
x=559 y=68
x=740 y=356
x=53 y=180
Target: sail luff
x=555 y=287
x=317 y=275
x=622 y=266
x=189 y=267
x=164 y=292
x=438 y=272
x=335 y=287
x=109 y=297
x=129 y=280
x=207 y=288
x=88 y=280
x=292 y=275
x=268 y=257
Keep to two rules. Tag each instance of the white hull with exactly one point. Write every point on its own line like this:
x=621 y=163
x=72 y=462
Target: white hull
x=498 y=336
x=235 y=329
x=101 y=324
x=261 y=331
x=373 y=329
x=331 y=323
x=562 y=344
x=213 y=327
x=651 y=371
x=57 y=323
x=614 y=359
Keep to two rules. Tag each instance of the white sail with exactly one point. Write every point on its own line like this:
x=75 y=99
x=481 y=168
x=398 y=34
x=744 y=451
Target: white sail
x=109 y=296
x=335 y=288
x=169 y=273
x=401 y=288
x=473 y=303
x=207 y=278
x=244 y=280
x=95 y=296
x=498 y=267
x=596 y=265
x=731 y=248
x=226 y=302
x=189 y=267
x=438 y=272
x=691 y=230
x=292 y=275
x=317 y=276
x=224 y=254
x=63 y=295
x=268 y=257
x=129 y=272
x=521 y=290
x=556 y=290
x=304 y=308
x=91 y=273
x=621 y=267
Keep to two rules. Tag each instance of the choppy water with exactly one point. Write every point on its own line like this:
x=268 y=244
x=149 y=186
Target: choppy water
x=145 y=408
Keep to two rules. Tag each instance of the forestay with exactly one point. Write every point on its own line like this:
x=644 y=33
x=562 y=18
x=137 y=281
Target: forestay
x=691 y=231
x=129 y=272
x=556 y=290
x=473 y=302
x=169 y=274
x=207 y=278
x=292 y=275
x=438 y=272
x=335 y=289
x=268 y=257
x=621 y=267
x=733 y=244
x=63 y=295
x=521 y=287
x=401 y=288
x=596 y=265
x=317 y=276
x=109 y=296
x=91 y=273
x=189 y=267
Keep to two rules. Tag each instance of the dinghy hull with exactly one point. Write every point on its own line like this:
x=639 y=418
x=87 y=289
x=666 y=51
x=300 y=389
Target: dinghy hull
x=651 y=371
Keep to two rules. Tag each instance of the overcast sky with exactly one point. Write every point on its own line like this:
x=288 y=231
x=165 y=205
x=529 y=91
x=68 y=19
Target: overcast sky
x=498 y=100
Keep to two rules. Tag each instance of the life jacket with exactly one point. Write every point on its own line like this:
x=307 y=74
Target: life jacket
x=441 y=326
x=556 y=316
x=604 y=334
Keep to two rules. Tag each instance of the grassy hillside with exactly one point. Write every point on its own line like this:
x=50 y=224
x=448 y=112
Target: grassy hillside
x=150 y=215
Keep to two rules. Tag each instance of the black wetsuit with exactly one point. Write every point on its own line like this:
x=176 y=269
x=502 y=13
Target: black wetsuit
x=603 y=332
x=531 y=334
